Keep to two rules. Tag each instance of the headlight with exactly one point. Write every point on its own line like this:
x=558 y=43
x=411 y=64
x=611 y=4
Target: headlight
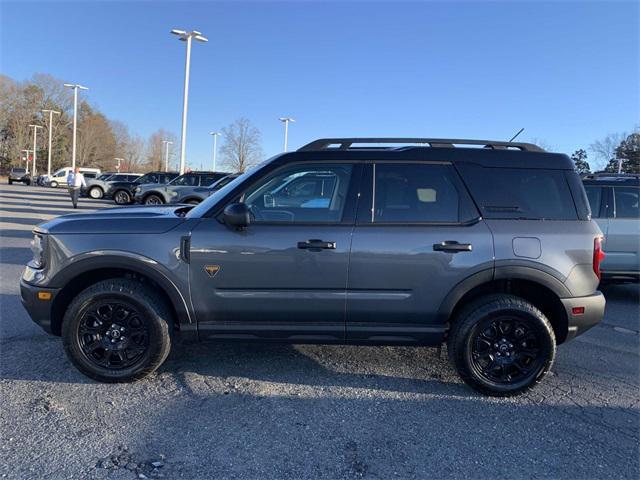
x=37 y=247
x=173 y=194
x=137 y=190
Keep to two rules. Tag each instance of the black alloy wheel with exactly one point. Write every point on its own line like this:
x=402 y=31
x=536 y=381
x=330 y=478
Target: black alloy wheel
x=505 y=350
x=113 y=334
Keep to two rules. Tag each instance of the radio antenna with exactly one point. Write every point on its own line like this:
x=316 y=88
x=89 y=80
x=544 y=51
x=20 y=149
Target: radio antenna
x=519 y=132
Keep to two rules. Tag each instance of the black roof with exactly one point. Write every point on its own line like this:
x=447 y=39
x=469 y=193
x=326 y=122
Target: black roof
x=604 y=178
x=486 y=153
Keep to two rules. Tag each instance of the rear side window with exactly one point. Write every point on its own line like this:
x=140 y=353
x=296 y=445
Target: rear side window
x=626 y=202
x=594 y=194
x=520 y=193
x=419 y=193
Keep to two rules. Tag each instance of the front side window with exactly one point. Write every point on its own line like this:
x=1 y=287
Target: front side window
x=419 y=193
x=208 y=180
x=301 y=193
x=626 y=202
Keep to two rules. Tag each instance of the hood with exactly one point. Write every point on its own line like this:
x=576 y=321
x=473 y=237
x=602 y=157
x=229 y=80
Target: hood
x=153 y=219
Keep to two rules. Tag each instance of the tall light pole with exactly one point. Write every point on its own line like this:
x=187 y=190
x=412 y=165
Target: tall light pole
x=35 y=147
x=51 y=113
x=186 y=37
x=118 y=164
x=75 y=88
x=215 y=136
x=286 y=121
x=166 y=154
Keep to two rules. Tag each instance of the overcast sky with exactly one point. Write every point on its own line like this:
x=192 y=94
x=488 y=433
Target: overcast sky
x=566 y=71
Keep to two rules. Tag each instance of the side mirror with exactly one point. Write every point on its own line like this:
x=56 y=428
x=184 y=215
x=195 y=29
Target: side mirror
x=236 y=215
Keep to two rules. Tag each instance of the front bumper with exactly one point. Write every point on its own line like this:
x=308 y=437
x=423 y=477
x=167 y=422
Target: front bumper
x=39 y=310
x=578 y=323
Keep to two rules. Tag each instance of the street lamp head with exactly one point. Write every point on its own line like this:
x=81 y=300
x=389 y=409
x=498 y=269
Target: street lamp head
x=75 y=85
x=36 y=126
x=51 y=111
x=215 y=134
x=200 y=38
x=178 y=32
x=286 y=119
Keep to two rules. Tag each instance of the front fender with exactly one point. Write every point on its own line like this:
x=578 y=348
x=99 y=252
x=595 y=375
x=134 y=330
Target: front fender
x=107 y=259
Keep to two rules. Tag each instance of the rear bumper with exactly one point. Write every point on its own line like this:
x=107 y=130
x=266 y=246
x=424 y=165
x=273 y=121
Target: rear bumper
x=38 y=310
x=578 y=323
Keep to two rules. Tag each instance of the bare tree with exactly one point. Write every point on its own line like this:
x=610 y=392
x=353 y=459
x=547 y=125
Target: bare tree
x=96 y=144
x=605 y=150
x=156 y=150
x=241 y=148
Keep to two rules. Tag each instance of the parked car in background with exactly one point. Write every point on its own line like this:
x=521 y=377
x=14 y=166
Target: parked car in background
x=123 y=192
x=615 y=206
x=491 y=250
x=198 y=194
x=159 y=194
x=96 y=188
x=19 y=175
x=59 y=177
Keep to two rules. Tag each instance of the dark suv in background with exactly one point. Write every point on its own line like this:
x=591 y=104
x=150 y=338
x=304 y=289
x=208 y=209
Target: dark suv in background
x=124 y=192
x=20 y=175
x=615 y=206
x=194 y=196
x=486 y=246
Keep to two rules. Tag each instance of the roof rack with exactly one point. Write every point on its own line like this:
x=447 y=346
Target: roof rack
x=620 y=176
x=347 y=144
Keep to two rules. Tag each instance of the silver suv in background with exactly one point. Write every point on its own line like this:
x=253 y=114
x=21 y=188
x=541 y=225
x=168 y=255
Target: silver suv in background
x=615 y=207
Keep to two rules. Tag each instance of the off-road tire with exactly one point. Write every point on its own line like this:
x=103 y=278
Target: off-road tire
x=157 y=317
x=153 y=199
x=98 y=195
x=119 y=195
x=465 y=328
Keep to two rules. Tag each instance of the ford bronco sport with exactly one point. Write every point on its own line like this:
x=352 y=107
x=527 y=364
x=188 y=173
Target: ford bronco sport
x=487 y=246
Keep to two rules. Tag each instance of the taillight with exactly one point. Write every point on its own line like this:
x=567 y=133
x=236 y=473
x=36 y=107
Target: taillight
x=598 y=255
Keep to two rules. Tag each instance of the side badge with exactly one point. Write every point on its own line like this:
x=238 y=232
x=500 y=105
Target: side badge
x=212 y=270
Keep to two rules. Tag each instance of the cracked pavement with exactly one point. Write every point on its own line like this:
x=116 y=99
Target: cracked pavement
x=251 y=411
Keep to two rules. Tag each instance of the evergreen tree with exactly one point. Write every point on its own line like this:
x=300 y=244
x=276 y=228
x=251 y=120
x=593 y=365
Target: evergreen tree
x=629 y=152
x=579 y=158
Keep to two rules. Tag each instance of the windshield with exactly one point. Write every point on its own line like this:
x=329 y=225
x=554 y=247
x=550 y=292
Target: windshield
x=202 y=208
x=18 y=170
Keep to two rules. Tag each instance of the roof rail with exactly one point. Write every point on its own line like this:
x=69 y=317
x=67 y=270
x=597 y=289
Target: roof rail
x=621 y=176
x=346 y=143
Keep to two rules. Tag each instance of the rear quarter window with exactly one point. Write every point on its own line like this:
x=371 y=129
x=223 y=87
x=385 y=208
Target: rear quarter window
x=520 y=193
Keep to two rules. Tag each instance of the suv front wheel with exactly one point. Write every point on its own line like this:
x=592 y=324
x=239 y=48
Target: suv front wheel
x=153 y=199
x=117 y=330
x=501 y=345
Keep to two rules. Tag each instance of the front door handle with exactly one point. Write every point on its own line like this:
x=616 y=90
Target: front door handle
x=315 y=244
x=452 y=246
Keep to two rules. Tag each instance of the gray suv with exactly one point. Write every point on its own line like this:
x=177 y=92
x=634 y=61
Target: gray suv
x=490 y=250
x=615 y=203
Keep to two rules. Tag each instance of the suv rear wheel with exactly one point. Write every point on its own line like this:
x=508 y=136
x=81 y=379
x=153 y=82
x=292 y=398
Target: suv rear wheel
x=117 y=331
x=122 y=197
x=96 y=193
x=501 y=345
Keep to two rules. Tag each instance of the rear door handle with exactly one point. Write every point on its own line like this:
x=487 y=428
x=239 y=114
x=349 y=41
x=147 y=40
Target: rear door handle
x=452 y=246
x=315 y=244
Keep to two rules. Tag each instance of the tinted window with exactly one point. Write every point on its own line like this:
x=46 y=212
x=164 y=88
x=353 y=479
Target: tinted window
x=300 y=193
x=534 y=194
x=626 y=202
x=207 y=180
x=414 y=193
x=594 y=194
x=186 y=180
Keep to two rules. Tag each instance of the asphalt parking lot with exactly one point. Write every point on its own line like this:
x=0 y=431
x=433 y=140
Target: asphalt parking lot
x=270 y=411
